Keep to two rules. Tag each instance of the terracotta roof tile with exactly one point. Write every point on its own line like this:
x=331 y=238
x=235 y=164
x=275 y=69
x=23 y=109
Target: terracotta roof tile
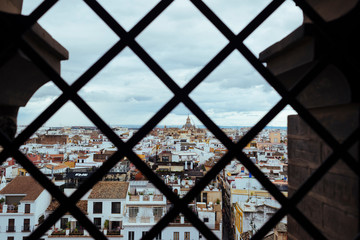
x=109 y=190
x=23 y=185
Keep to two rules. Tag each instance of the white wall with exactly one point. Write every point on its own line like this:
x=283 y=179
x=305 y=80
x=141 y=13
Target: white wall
x=41 y=204
x=166 y=234
x=210 y=216
x=106 y=210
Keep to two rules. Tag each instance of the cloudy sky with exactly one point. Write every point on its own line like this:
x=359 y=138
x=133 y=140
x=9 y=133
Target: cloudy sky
x=181 y=41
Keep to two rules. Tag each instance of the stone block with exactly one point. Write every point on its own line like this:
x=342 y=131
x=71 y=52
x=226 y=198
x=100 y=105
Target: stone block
x=312 y=209
x=341 y=189
x=296 y=126
x=340 y=121
x=339 y=224
x=306 y=150
x=297 y=175
x=296 y=231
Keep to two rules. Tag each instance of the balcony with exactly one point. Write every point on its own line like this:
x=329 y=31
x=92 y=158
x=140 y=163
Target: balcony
x=113 y=232
x=58 y=232
x=134 y=197
x=146 y=199
x=12 y=209
x=77 y=232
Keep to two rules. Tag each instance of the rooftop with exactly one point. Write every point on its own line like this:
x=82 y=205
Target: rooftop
x=109 y=190
x=81 y=204
x=23 y=185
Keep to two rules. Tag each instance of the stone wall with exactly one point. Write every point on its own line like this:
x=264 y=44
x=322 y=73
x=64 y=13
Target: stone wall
x=333 y=99
x=332 y=204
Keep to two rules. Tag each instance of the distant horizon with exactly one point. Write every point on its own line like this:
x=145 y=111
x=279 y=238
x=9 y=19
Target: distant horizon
x=157 y=126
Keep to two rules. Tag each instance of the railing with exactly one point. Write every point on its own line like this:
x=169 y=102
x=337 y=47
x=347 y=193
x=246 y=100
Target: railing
x=114 y=232
x=158 y=198
x=12 y=209
x=134 y=197
x=77 y=232
x=61 y=232
x=150 y=198
x=145 y=219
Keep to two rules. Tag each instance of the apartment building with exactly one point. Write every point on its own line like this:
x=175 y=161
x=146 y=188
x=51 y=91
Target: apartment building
x=22 y=208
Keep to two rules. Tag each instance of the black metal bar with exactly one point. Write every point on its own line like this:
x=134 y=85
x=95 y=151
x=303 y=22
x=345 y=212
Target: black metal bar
x=254 y=24
x=272 y=80
x=84 y=78
x=301 y=110
x=61 y=83
x=137 y=162
x=125 y=149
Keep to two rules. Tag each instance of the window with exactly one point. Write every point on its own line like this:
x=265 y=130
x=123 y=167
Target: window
x=133 y=211
x=11 y=225
x=176 y=235
x=27 y=208
x=26 y=227
x=205 y=197
x=10 y=238
x=63 y=223
x=144 y=233
x=165 y=158
x=97 y=222
x=157 y=211
x=131 y=235
x=97 y=207
x=187 y=236
x=206 y=219
x=116 y=207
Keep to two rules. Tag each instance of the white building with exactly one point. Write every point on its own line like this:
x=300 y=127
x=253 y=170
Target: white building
x=104 y=206
x=145 y=206
x=25 y=202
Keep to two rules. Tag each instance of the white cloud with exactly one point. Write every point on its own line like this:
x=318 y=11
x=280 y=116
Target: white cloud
x=181 y=41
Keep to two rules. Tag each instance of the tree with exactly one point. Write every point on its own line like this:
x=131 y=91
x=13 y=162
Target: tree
x=106 y=224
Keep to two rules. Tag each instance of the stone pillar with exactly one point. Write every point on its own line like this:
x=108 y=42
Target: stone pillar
x=333 y=99
x=17 y=87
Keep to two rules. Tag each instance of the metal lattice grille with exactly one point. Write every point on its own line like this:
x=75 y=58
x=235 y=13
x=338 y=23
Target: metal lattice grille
x=127 y=39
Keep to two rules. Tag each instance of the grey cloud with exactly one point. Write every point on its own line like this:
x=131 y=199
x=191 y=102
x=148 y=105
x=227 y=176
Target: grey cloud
x=181 y=41
x=48 y=90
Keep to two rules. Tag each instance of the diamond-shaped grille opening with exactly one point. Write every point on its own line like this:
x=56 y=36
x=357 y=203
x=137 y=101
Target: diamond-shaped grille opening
x=129 y=90
x=236 y=20
x=288 y=14
x=181 y=95
x=179 y=49
x=245 y=96
x=128 y=13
